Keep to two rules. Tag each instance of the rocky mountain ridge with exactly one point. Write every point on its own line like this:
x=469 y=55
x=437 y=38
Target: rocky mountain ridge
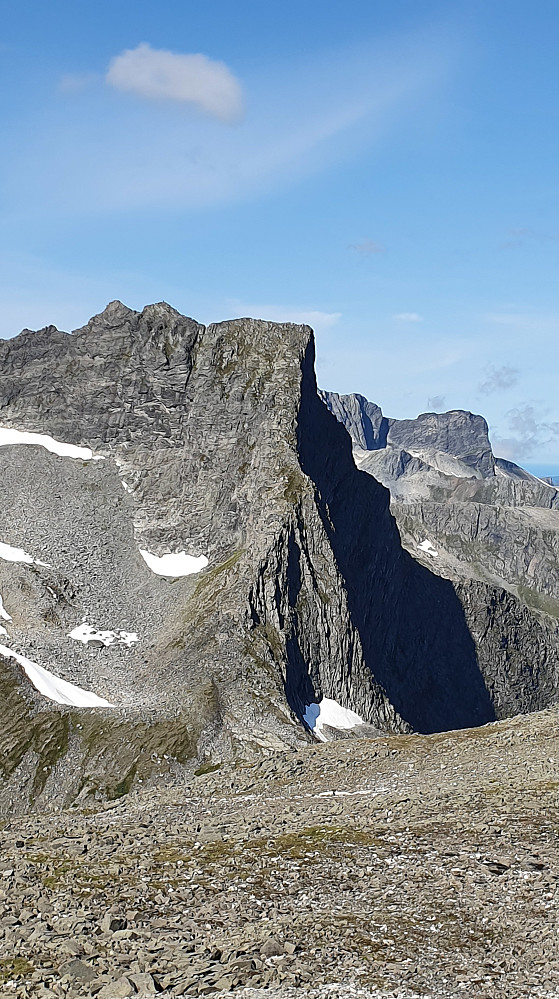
x=486 y=517
x=212 y=443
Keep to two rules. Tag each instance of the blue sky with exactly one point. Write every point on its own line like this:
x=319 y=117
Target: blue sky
x=386 y=171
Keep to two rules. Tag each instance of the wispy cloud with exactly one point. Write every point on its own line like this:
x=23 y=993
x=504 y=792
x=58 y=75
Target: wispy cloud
x=520 y=237
x=161 y=75
x=436 y=403
x=285 y=314
x=498 y=379
x=529 y=431
x=100 y=154
x=75 y=83
x=408 y=317
x=366 y=247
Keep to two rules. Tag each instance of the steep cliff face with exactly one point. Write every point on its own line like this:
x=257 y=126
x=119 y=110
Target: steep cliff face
x=431 y=438
x=212 y=444
x=485 y=517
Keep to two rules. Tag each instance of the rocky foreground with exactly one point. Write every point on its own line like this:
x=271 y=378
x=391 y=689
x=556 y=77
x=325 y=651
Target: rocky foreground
x=402 y=866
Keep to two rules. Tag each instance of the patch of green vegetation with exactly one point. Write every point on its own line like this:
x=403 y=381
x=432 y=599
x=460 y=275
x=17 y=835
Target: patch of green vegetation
x=207 y=768
x=298 y=845
x=44 y=733
x=294 y=485
x=123 y=785
x=539 y=601
x=56 y=874
x=210 y=575
x=15 y=967
x=37 y=858
x=270 y=636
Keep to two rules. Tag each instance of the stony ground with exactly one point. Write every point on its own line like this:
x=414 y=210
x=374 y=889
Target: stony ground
x=409 y=866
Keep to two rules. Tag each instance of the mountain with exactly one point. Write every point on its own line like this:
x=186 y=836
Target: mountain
x=486 y=517
x=192 y=567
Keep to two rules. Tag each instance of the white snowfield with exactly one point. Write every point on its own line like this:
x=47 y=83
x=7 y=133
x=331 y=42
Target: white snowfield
x=54 y=687
x=3 y=612
x=329 y=712
x=174 y=564
x=84 y=633
x=428 y=548
x=10 y=436
x=3 y=631
x=11 y=554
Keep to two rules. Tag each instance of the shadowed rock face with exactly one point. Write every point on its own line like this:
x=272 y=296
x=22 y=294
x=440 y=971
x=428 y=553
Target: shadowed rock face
x=214 y=442
x=486 y=517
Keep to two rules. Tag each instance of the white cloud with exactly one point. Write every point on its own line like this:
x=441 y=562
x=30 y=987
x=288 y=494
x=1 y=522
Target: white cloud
x=409 y=317
x=529 y=432
x=366 y=247
x=497 y=379
x=74 y=83
x=304 y=117
x=174 y=76
x=285 y=314
x=436 y=403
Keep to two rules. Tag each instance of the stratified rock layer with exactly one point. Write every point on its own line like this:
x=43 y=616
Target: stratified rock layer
x=486 y=517
x=214 y=442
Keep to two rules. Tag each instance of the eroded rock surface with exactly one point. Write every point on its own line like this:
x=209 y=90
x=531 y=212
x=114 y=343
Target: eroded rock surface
x=213 y=442
x=403 y=866
x=485 y=517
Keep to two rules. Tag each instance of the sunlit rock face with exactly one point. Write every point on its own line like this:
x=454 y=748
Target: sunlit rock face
x=201 y=552
x=472 y=514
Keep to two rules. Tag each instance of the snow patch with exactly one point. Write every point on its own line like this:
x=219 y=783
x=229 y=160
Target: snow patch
x=54 y=687
x=3 y=631
x=3 y=612
x=11 y=436
x=84 y=633
x=11 y=554
x=428 y=548
x=330 y=713
x=174 y=564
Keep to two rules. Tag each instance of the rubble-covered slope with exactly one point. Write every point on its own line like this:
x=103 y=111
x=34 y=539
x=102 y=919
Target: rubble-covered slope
x=289 y=584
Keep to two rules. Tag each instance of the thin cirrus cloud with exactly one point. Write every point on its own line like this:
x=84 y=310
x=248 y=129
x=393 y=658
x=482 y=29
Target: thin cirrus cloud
x=436 y=403
x=367 y=247
x=498 y=379
x=286 y=314
x=517 y=238
x=528 y=432
x=184 y=78
x=91 y=153
x=408 y=317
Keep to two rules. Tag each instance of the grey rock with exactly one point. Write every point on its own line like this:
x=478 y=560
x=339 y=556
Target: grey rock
x=120 y=989
x=77 y=969
x=227 y=451
x=487 y=521
x=112 y=924
x=272 y=947
x=144 y=983
x=462 y=435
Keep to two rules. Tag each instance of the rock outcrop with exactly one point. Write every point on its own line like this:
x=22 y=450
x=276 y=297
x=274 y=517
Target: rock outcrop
x=487 y=518
x=213 y=442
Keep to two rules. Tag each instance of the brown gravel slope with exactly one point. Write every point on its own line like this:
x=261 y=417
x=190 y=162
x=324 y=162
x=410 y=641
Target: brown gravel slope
x=403 y=866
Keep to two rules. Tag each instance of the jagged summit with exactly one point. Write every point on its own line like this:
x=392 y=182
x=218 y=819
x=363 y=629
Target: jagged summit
x=469 y=513
x=116 y=316
x=188 y=538
x=461 y=435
